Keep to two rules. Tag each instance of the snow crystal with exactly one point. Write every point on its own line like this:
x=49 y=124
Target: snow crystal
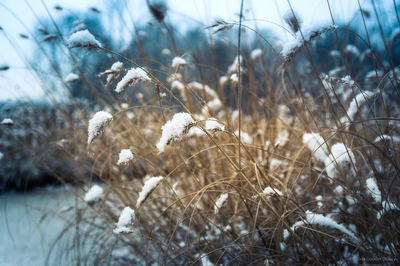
x=373 y=189
x=358 y=99
x=220 y=202
x=125 y=156
x=97 y=123
x=148 y=187
x=256 y=54
x=387 y=137
x=7 y=121
x=132 y=76
x=174 y=129
x=319 y=219
x=71 y=77
x=83 y=38
x=340 y=155
x=386 y=207
x=213 y=125
x=317 y=145
x=124 y=221
x=94 y=194
x=177 y=61
x=271 y=191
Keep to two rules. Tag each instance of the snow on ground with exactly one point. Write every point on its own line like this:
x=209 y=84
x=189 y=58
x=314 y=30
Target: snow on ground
x=26 y=232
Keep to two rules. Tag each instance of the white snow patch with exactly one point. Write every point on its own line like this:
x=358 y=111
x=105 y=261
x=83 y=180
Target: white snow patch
x=340 y=155
x=125 y=220
x=94 y=194
x=220 y=202
x=131 y=77
x=256 y=54
x=317 y=145
x=71 y=77
x=174 y=129
x=386 y=207
x=319 y=219
x=125 y=156
x=213 y=125
x=148 y=187
x=357 y=101
x=373 y=189
x=97 y=124
x=178 y=61
x=268 y=191
x=387 y=137
x=7 y=121
x=83 y=38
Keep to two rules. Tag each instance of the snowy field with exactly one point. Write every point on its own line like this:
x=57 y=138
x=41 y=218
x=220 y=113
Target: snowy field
x=29 y=224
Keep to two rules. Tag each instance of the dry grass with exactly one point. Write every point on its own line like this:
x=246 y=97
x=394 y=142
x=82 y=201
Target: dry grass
x=179 y=223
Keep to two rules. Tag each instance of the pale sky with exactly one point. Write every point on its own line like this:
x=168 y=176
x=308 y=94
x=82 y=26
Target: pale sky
x=17 y=82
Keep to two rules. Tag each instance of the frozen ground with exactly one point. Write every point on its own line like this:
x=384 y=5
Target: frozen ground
x=29 y=224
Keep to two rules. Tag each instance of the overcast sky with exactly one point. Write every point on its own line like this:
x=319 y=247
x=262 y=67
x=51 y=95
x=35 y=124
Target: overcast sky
x=16 y=82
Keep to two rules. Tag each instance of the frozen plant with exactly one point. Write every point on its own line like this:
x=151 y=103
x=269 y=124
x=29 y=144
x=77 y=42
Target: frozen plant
x=174 y=129
x=97 y=124
x=132 y=77
x=340 y=155
x=148 y=187
x=319 y=219
x=178 y=61
x=94 y=194
x=317 y=145
x=124 y=221
x=7 y=121
x=373 y=189
x=220 y=202
x=213 y=125
x=113 y=72
x=71 y=77
x=358 y=100
x=83 y=39
x=125 y=156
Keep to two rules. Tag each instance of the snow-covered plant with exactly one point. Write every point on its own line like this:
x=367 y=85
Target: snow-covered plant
x=133 y=76
x=178 y=61
x=7 y=121
x=317 y=145
x=114 y=72
x=83 y=39
x=321 y=220
x=71 y=77
x=340 y=156
x=125 y=221
x=175 y=129
x=94 y=194
x=212 y=125
x=97 y=124
x=125 y=156
x=148 y=187
x=219 y=203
